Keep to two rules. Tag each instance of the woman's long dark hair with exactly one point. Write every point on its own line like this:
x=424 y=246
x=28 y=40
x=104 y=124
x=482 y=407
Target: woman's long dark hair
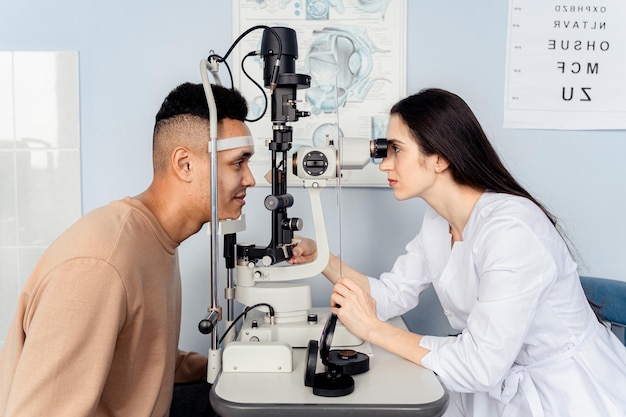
x=443 y=124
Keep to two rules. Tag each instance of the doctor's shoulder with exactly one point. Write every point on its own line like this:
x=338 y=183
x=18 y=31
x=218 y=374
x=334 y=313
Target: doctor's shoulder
x=501 y=207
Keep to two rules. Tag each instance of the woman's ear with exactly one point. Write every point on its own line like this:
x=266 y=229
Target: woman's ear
x=441 y=164
x=181 y=163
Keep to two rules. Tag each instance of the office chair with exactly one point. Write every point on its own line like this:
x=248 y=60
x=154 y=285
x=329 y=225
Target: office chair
x=610 y=297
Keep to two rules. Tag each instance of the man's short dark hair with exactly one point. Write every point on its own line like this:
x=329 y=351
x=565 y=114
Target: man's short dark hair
x=176 y=123
x=190 y=99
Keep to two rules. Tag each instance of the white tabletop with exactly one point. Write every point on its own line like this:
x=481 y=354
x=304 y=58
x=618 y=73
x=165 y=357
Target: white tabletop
x=392 y=387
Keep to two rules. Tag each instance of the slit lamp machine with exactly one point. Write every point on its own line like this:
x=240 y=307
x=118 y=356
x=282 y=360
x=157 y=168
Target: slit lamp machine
x=278 y=311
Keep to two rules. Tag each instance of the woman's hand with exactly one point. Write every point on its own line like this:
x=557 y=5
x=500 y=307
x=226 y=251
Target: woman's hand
x=304 y=251
x=355 y=307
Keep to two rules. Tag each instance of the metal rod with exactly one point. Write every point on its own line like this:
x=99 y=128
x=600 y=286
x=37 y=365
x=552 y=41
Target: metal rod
x=204 y=66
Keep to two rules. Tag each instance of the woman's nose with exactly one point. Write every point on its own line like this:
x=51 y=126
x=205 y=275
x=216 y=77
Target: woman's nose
x=385 y=165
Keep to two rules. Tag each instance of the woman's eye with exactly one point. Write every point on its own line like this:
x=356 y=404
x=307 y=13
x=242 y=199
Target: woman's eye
x=396 y=148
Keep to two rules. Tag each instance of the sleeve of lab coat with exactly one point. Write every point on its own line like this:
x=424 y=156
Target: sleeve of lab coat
x=71 y=325
x=514 y=269
x=397 y=291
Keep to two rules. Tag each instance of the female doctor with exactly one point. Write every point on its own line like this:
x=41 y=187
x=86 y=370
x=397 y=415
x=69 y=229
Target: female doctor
x=529 y=342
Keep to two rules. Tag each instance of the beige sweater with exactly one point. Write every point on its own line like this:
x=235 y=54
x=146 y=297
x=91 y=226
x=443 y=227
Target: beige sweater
x=97 y=326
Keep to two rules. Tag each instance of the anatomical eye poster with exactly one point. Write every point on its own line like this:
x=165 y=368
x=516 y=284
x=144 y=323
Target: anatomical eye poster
x=355 y=54
x=566 y=65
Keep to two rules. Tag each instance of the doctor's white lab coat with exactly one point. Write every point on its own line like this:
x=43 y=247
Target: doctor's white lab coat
x=529 y=343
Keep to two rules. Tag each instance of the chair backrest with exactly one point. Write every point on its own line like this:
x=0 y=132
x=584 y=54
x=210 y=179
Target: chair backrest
x=610 y=296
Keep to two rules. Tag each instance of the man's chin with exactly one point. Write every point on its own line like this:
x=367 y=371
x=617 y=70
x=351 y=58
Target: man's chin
x=229 y=216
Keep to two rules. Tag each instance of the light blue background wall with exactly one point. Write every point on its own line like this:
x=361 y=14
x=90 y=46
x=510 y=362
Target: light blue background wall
x=132 y=53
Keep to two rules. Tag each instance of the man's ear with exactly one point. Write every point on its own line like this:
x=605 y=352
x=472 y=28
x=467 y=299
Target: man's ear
x=181 y=163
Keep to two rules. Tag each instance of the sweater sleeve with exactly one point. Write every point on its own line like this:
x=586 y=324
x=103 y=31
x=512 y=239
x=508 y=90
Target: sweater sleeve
x=71 y=322
x=190 y=367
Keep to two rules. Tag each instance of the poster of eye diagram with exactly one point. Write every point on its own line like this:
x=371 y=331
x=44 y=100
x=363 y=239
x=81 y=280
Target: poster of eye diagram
x=566 y=65
x=355 y=54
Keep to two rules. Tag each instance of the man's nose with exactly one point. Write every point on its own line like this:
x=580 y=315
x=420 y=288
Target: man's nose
x=249 y=180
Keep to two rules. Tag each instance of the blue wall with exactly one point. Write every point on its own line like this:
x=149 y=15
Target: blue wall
x=132 y=54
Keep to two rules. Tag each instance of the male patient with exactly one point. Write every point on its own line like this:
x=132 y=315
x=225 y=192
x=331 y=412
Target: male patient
x=97 y=325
